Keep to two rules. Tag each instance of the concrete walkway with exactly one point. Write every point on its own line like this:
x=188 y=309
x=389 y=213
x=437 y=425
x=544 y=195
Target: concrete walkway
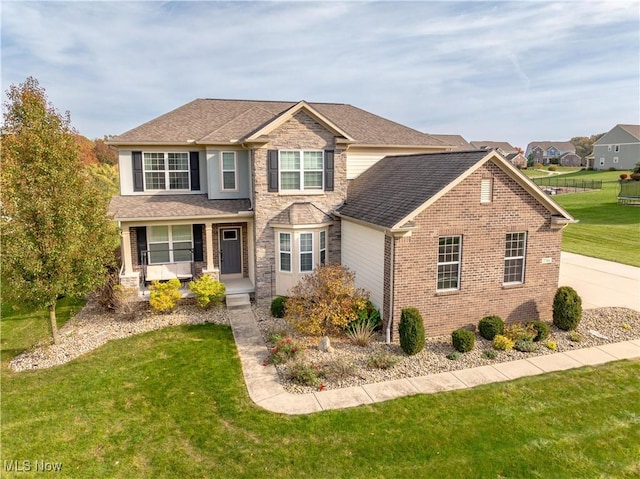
x=599 y=283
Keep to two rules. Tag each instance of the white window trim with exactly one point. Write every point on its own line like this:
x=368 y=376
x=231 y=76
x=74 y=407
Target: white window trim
x=523 y=258
x=444 y=263
x=166 y=171
x=223 y=171
x=320 y=248
x=301 y=171
x=281 y=251
x=615 y=159
x=616 y=148
x=300 y=252
x=169 y=242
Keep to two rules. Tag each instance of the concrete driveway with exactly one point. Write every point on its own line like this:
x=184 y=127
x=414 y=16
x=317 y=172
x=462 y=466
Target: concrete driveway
x=601 y=283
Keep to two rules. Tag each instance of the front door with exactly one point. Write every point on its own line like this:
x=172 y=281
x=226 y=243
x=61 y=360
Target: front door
x=230 y=251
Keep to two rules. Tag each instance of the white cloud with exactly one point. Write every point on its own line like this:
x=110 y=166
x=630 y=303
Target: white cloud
x=488 y=70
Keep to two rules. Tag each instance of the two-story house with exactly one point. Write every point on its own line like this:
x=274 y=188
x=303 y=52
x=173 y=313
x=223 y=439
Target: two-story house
x=619 y=148
x=259 y=193
x=545 y=151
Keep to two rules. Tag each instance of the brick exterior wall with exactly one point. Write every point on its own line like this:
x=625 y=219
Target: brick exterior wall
x=299 y=133
x=483 y=228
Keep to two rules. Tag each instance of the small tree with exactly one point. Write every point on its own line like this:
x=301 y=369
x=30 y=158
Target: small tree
x=325 y=301
x=56 y=237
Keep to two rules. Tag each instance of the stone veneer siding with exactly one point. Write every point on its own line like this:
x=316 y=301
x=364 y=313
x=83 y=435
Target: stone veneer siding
x=483 y=228
x=299 y=133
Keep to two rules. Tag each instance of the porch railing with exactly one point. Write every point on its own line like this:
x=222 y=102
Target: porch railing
x=175 y=267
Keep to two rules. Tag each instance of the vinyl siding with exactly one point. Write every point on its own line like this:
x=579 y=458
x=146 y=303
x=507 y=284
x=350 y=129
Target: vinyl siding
x=363 y=253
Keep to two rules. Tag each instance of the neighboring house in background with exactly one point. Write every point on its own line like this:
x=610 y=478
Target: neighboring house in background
x=501 y=147
x=619 y=148
x=244 y=191
x=458 y=142
x=545 y=151
x=517 y=159
x=459 y=235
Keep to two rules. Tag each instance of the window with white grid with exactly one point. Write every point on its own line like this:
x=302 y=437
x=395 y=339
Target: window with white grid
x=514 y=256
x=449 y=254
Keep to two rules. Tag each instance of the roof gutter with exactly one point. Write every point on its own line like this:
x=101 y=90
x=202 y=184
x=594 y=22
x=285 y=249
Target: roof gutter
x=239 y=214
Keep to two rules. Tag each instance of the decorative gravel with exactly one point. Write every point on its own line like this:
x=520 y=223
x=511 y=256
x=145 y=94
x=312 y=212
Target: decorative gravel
x=92 y=327
x=611 y=323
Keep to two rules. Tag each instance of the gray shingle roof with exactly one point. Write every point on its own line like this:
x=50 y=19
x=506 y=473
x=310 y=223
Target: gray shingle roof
x=225 y=121
x=301 y=214
x=169 y=206
x=457 y=141
x=559 y=145
x=494 y=145
x=633 y=130
x=396 y=186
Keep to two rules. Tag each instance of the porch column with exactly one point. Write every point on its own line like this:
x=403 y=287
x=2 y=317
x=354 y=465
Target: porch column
x=126 y=251
x=208 y=233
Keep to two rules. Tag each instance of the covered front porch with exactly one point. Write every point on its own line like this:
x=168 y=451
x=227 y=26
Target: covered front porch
x=232 y=287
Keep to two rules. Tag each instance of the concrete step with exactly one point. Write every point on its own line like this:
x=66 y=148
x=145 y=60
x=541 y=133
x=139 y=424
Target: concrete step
x=238 y=301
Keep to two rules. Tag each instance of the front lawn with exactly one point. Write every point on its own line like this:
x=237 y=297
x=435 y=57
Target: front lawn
x=606 y=229
x=172 y=403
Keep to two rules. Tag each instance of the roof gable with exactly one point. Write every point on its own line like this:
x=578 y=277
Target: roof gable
x=395 y=190
x=618 y=133
x=213 y=121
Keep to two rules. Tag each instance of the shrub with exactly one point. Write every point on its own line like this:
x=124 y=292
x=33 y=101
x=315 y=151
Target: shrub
x=612 y=168
x=552 y=345
x=502 y=343
x=339 y=369
x=163 y=297
x=490 y=354
x=361 y=332
x=624 y=176
x=635 y=176
x=411 y=330
x=552 y=168
x=490 y=326
x=541 y=328
x=207 y=290
x=575 y=336
x=284 y=350
x=567 y=308
x=516 y=332
x=324 y=301
x=525 y=346
x=368 y=312
x=454 y=356
x=382 y=360
x=125 y=301
x=278 y=306
x=304 y=373
x=463 y=340
x=537 y=166
x=626 y=326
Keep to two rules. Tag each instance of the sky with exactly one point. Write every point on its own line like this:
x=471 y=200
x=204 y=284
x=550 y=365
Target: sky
x=489 y=71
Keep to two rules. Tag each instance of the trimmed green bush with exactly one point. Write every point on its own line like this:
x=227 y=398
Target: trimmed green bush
x=567 y=308
x=208 y=291
x=411 y=329
x=542 y=330
x=525 y=346
x=278 y=306
x=463 y=340
x=490 y=326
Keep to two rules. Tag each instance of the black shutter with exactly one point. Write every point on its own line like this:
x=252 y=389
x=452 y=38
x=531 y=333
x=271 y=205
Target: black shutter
x=197 y=243
x=138 y=184
x=272 y=170
x=141 y=239
x=328 y=170
x=194 y=167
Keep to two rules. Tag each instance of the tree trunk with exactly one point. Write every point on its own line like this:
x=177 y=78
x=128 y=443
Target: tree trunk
x=52 y=323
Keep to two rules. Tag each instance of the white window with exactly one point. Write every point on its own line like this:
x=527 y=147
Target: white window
x=601 y=161
x=228 y=171
x=616 y=148
x=608 y=147
x=323 y=247
x=166 y=171
x=514 y=255
x=301 y=170
x=615 y=159
x=170 y=244
x=306 y=252
x=285 y=252
x=486 y=190
x=449 y=254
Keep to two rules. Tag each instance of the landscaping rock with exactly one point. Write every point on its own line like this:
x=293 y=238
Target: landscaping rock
x=325 y=345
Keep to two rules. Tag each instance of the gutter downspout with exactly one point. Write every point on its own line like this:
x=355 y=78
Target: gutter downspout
x=391 y=269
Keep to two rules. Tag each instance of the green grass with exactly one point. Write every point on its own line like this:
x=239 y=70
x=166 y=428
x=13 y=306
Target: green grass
x=172 y=403
x=606 y=229
x=23 y=327
x=534 y=173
